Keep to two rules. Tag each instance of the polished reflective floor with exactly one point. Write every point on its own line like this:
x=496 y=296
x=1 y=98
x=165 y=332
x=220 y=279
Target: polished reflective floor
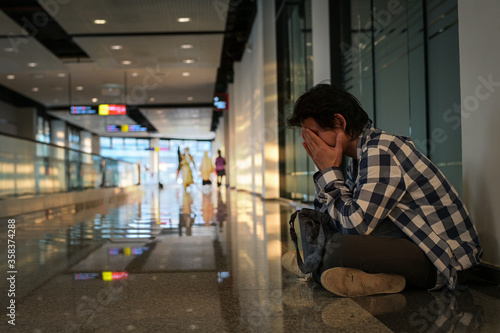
x=202 y=260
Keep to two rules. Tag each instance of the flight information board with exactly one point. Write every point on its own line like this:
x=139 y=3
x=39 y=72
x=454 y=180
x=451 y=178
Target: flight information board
x=82 y=109
x=112 y=109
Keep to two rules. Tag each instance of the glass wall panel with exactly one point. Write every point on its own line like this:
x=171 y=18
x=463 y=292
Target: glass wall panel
x=294 y=78
x=391 y=68
x=42 y=130
x=445 y=137
x=30 y=167
x=401 y=61
x=357 y=55
x=416 y=74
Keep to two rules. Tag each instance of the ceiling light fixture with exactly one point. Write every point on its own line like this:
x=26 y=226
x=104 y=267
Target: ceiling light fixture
x=32 y=64
x=116 y=47
x=94 y=100
x=126 y=62
x=79 y=88
x=186 y=74
x=188 y=61
x=190 y=98
x=99 y=21
x=151 y=99
x=11 y=77
x=183 y=19
x=61 y=74
x=34 y=89
x=134 y=74
x=186 y=46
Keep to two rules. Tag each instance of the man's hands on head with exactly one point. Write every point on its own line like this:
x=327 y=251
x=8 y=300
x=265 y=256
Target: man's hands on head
x=323 y=155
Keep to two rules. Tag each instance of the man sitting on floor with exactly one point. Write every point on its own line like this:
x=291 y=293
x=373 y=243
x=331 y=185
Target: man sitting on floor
x=400 y=222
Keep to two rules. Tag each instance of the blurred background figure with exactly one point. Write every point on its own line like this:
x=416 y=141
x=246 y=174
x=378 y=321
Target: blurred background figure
x=187 y=174
x=179 y=157
x=220 y=167
x=206 y=170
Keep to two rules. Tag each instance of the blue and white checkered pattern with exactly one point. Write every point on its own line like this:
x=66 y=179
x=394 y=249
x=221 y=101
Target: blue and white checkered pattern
x=392 y=180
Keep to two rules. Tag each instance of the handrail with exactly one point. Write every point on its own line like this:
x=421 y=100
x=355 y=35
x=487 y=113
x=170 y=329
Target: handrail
x=54 y=145
x=33 y=167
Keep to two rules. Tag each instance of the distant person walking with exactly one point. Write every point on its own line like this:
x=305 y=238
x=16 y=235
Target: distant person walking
x=220 y=167
x=187 y=175
x=206 y=169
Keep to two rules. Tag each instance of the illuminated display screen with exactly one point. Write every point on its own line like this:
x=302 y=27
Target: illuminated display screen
x=125 y=128
x=136 y=128
x=80 y=109
x=220 y=102
x=113 y=128
x=112 y=109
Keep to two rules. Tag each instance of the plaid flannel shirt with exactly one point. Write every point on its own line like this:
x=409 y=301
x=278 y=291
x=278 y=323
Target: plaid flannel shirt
x=392 y=180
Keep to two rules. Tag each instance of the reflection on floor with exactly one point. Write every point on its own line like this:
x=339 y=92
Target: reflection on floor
x=205 y=260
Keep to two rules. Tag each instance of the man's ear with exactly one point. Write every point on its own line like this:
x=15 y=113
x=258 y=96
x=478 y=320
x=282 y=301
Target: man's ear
x=340 y=121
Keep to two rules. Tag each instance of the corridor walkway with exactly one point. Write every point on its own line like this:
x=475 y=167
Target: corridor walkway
x=204 y=260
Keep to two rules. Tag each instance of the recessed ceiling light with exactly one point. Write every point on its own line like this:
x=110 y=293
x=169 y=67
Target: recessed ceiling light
x=134 y=74
x=99 y=21
x=188 y=61
x=116 y=47
x=11 y=77
x=186 y=46
x=186 y=74
x=151 y=99
x=190 y=98
x=34 y=89
x=80 y=88
x=32 y=64
x=94 y=99
x=61 y=74
x=126 y=62
x=183 y=19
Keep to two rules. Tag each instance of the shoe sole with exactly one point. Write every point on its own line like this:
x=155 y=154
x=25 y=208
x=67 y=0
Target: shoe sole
x=351 y=282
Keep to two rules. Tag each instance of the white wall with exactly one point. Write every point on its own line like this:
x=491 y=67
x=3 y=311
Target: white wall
x=480 y=95
x=253 y=115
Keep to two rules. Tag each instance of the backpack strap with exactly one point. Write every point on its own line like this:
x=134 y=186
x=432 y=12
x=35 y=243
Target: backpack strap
x=293 y=234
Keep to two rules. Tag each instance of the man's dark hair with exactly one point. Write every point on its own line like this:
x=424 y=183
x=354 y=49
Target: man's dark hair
x=322 y=102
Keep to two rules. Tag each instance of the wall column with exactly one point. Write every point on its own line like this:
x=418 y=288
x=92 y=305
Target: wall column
x=480 y=116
